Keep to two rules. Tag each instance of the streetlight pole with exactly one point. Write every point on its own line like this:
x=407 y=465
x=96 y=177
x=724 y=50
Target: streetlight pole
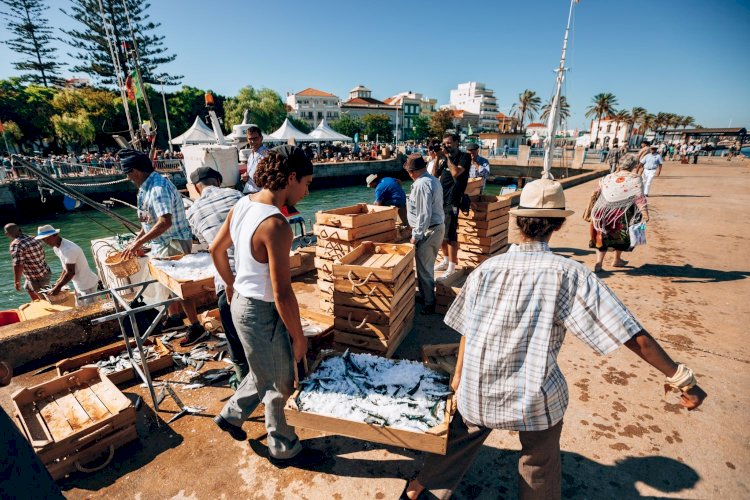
x=166 y=114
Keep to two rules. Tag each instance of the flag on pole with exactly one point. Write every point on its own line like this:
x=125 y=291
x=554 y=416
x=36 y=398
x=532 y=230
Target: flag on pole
x=134 y=86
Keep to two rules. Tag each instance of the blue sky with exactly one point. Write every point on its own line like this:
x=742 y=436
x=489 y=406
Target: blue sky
x=679 y=56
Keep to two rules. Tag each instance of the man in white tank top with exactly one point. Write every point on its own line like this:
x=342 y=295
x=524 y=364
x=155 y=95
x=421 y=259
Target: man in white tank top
x=264 y=308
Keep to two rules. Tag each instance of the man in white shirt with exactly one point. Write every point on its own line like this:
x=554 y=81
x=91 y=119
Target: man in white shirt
x=256 y=151
x=75 y=267
x=651 y=164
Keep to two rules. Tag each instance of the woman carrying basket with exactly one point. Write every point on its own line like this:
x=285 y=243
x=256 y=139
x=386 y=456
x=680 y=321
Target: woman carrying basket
x=617 y=204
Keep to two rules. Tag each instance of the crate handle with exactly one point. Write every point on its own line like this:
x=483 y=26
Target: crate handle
x=94 y=433
x=334 y=222
x=81 y=468
x=358 y=327
x=361 y=283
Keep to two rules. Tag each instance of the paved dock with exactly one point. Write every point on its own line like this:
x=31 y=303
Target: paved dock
x=622 y=438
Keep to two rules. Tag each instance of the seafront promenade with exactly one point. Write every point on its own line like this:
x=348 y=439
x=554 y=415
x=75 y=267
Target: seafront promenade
x=622 y=438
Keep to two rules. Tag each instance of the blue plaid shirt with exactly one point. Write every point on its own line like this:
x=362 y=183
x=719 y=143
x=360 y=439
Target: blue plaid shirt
x=156 y=197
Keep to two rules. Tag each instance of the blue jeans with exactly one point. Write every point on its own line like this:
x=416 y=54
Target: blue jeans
x=268 y=349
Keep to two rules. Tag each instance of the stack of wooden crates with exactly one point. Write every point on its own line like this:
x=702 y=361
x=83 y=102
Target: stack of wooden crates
x=483 y=232
x=374 y=291
x=341 y=230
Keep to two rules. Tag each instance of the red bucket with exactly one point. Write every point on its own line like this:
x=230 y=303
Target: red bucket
x=9 y=317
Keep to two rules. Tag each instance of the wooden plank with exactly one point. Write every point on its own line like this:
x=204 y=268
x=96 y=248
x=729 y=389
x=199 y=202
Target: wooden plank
x=476 y=259
x=334 y=249
x=108 y=394
x=355 y=215
x=356 y=233
x=488 y=203
x=480 y=224
x=376 y=344
x=55 y=419
x=325 y=287
x=474 y=187
x=483 y=215
x=451 y=286
x=91 y=404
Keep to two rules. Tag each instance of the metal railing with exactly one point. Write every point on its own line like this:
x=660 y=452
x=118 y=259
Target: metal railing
x=64 y=169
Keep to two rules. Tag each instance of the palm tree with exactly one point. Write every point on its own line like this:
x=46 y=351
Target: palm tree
x=661 y=122
x=562 y=115
x=603 y=105
x=620 y=116
x=636 y=115
x=526 y=107
x=647 y=121
x=687 y=121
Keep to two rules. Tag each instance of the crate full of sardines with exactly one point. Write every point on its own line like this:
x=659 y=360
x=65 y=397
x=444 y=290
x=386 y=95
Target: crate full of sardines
x=397 y=402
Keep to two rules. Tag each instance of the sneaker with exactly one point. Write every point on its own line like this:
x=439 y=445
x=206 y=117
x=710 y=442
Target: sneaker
x=236 y=432
x=196 y=333
x=305 y=458
x=442 y=266
x=172 y=323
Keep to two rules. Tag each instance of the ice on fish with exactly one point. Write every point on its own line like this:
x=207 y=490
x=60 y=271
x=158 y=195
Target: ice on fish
x=365 y=388
x=192 y=267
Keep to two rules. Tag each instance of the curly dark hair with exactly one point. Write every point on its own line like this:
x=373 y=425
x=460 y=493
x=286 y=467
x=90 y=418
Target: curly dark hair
x=539 y=227
x=274 y=169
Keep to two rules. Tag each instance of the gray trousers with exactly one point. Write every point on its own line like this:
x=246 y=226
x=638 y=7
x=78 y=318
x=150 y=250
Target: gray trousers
x=539 y=464
x=268 y=349
x=427 y=250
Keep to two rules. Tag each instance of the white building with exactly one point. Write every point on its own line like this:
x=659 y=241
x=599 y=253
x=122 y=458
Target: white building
x=610 y=133
x=312 y=105
x=475 y=98
x=361 y=103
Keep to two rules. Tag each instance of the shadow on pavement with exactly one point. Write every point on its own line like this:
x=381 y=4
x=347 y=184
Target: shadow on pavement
x=679 y=196
x=687 y=273
x=494 y=473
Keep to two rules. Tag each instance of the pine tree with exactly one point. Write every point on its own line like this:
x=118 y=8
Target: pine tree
x=32 y=38
x=90 y=41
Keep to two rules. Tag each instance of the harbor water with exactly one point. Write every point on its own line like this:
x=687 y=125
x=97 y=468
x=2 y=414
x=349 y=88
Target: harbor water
x=83 y=225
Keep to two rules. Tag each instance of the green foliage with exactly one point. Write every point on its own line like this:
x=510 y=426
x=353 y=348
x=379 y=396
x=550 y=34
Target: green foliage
x=31 y=41
x=440 y=121
x=266 y=109
x=377 y=126
x=91 y=47
x=74 y=128
x=421 y=130
x=348 y=125
x=30 y=107
x=12 y=131
x=300 y=125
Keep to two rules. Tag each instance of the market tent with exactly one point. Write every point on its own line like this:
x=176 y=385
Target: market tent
x=323 y=132
x=288 y=131
x=198 y=133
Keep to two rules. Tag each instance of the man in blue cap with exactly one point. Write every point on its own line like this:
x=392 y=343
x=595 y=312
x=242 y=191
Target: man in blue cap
x=164 y=227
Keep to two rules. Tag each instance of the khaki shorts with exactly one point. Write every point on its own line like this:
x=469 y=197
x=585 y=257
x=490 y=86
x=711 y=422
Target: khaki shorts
x=175 y=247
x=36 y=284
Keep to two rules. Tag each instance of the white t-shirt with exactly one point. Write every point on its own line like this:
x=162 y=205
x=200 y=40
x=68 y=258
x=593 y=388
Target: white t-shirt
x=70 y=253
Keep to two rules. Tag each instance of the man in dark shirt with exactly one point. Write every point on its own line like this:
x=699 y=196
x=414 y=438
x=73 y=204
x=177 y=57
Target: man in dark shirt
x=389 y=193
x=453 y=172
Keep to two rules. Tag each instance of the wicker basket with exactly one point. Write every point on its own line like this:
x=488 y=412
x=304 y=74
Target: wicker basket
x=121 y=268
x=59 y=298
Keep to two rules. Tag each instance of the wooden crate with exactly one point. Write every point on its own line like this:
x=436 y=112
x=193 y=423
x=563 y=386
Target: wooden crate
x=441 y=309
x=326 y=306
x=332 y=249
x=483 y=240
x=405 y=279
x=184 y=289
x=382 y=303
x=486 y=208
x=434 y=440
x=442 y=355
x=353 y=234
x=485 y=249
x=72 y=416
x=375 y=262
x=382 y=331
x=495 y=226
x=163 y=362
x=451 y=286
x=474 y=187
x=357 y=215
x=468 y=259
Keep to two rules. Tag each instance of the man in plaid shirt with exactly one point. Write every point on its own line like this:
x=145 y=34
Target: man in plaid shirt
x=512 y=314
x=27 y=258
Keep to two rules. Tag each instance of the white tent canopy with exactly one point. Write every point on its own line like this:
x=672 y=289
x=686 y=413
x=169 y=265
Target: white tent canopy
x=199 y=133
x=323 y=132
x=288 y=131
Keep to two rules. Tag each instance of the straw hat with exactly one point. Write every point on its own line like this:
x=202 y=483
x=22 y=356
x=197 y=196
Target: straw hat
x=370 y=179
x=45 y=231
x=542 y=198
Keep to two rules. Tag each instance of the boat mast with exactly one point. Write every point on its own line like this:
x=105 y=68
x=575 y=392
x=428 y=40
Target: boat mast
x=555 y=108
